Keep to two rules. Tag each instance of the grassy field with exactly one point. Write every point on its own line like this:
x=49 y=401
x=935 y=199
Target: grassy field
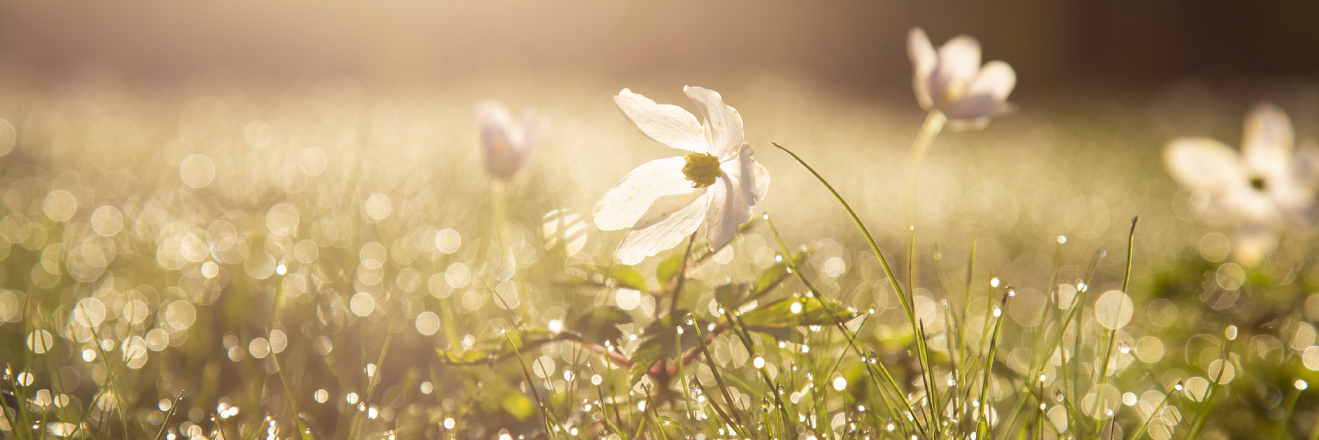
x=223 y=260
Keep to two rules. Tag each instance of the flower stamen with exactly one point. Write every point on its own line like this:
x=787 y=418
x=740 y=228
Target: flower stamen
x=701 y=169
x=1258 y=183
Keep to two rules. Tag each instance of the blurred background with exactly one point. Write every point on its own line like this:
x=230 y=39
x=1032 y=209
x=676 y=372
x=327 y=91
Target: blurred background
x=1135 y=47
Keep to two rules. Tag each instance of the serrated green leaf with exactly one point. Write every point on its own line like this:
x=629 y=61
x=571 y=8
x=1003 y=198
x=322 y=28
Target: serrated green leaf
x=808 y=312
x=623 y=276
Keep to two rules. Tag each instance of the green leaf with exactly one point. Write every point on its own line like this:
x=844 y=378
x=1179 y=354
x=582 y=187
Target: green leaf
x=496 y=347
x=786 y=334
x=660 y=341
x=517 y=405
x=601 y=323
x=623 y=276
x=731 y=296
x=775 y=274
x=671 y=421
x=807 y=312
x=463 y=357
x=668 y=268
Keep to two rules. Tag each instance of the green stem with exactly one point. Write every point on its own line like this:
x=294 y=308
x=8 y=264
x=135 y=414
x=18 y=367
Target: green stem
x=682 y=276
x=929 y=130
x=883 y=262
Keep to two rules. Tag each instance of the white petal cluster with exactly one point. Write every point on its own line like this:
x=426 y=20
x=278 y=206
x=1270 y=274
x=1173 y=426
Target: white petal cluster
x=505 y=144
x=952 y=81
x=658 y=202
x=1261 y=190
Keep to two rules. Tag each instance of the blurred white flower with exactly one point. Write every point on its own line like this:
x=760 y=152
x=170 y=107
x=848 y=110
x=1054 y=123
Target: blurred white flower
x=1260 y=191
x=665 y=200
x=506 y=144
x=953 y=82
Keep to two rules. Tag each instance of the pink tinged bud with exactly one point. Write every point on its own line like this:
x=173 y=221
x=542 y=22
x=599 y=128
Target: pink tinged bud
x=506 y=144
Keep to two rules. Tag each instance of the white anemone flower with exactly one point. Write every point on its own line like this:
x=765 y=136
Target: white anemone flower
x=953 y=82
x=664 y=201
x=1260 y=191
x=505 y=144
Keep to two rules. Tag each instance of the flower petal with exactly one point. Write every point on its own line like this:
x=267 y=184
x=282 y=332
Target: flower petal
x=959 y=62
x=973 y=109
x=532 y=127
x=923 y=59
x=751 y=178
x=732 y=196
x=498 y=146
x=670 y=219
x=728 y=210
x=1267 y=141
x=1305 y=165
x=630 y=198
x=960 y=57
x=1203 y=163
x=996 y=79
x=667 y=124
x=723 y=124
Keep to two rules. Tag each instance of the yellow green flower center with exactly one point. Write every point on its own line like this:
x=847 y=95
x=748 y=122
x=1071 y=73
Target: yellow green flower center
x=1255 y=182
x=702 y=169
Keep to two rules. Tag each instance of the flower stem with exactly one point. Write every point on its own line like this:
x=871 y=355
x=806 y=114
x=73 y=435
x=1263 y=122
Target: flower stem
x=929 y=130
x=682 y=275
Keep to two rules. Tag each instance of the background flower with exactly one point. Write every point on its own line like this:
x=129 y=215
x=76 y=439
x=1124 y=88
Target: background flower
x=505 y=144
x=952 y=81
x=1260 y=191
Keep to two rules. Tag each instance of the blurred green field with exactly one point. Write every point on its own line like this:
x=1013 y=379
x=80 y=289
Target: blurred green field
x=286 y=261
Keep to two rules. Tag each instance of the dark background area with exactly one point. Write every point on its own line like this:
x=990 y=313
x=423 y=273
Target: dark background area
x=1131 y=46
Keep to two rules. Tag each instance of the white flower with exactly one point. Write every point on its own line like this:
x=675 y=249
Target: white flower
x=1260 y=191
x=664 y=201
x=952 y=81
x=505 y=145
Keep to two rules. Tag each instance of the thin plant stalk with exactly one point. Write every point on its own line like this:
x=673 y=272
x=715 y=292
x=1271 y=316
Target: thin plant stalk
x=929 y=130
x=874 y=247
x=792 y=264
x=1112 y=334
